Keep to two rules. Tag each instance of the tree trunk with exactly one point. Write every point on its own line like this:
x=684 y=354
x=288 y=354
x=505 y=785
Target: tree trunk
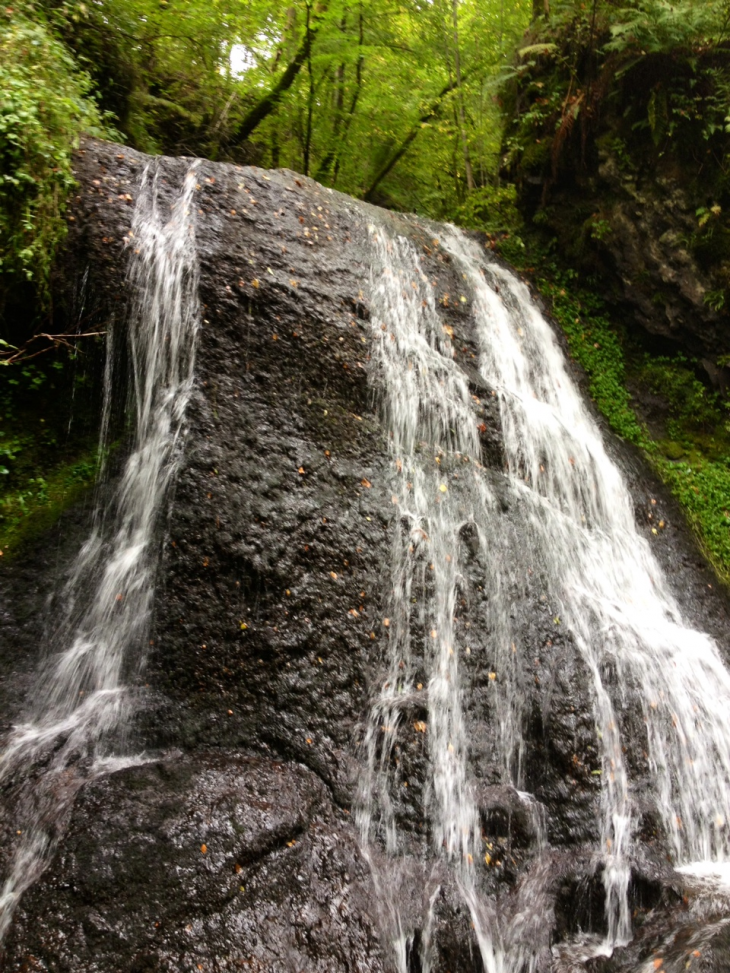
x=431 y=112
x=332 y=160
x=460 y=100
x=310 y=98
x=269 y=102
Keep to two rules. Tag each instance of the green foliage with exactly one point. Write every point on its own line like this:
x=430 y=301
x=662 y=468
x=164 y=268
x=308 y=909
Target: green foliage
x=596 y=347
x=701 y=482
x=48 y=442
x=703 y=489
x=28 y=510
x=181 y=79
x=492 y=209
x=654 y=26
x=694 y=408
x=44 y=107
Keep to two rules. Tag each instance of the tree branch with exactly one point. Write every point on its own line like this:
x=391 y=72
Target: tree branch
x=15 y=356
x=431 y=112
x=268 y=103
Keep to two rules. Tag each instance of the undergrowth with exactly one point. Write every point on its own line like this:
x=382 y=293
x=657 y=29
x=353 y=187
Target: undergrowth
x=48 y=442
x=32 y=509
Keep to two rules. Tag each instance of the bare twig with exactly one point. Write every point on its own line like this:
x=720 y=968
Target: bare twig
x=18 y=355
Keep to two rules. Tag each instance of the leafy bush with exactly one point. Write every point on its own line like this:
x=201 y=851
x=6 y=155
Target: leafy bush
x=44 y=108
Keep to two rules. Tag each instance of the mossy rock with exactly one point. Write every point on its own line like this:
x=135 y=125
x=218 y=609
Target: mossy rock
x=537 y=155
x=672 y=450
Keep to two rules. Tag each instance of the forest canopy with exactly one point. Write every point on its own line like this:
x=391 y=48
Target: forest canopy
x=396 y=101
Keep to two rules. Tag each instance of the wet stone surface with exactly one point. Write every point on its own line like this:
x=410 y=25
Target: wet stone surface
x=235 y=847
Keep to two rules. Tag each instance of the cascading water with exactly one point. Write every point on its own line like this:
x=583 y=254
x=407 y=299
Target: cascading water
x=84 y=697
x=578 y=524
x=436 y=451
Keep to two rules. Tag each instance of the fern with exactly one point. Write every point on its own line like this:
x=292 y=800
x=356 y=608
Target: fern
x=654 y=26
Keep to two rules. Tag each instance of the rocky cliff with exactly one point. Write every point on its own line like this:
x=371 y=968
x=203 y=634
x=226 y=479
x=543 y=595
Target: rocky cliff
x=232 y=843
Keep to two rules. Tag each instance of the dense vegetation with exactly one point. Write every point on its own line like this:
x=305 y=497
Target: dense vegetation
x=478 y=111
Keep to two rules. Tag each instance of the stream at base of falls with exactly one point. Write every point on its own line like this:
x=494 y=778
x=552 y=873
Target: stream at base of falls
x=510 y=536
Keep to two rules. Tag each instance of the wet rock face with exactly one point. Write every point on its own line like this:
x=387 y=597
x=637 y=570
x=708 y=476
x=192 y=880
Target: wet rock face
x=630 y=228
x=227 y=863
x=235 y=847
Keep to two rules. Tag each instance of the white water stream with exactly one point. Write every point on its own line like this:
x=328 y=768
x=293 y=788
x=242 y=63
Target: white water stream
x=85 y=687
x=578 y=525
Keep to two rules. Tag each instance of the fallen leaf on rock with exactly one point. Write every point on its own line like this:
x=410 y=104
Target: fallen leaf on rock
x=419 y=726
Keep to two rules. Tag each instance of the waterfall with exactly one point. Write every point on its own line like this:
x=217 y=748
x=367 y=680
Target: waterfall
x=85 y=687
x=577 y=523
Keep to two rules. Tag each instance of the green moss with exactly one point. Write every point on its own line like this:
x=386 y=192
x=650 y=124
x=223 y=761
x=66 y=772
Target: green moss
x=27 y=512
x=702 y=486
x=672 y=450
